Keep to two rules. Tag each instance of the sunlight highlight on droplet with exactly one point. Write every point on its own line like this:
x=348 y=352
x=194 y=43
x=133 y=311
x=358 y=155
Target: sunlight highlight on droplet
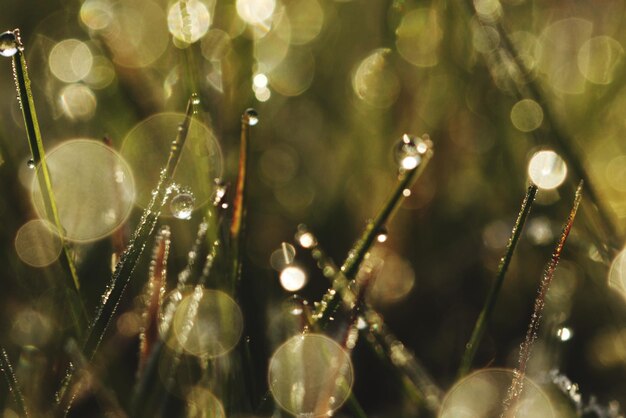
x=70 y=60
x=188 y=20
x=147 y=146
x=207 y=323
x=547 y=169
x=37 y=244
x=526 y=115
x=418 y=37
x=599 y=57
x=310 y=375
x=480 y=395
x=93 y=187
x=8 y=44
x=375 y=81
x=292 y=278
x=78 y=102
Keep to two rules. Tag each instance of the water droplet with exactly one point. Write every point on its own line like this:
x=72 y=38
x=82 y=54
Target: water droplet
x=295 y=305
x=547 y=169
x=250 y=116
x=409 y=150
x=8 y=44
x=182 y=205
x=195 y=99
x=31 y=163
x=382 y=235
x=305 y=238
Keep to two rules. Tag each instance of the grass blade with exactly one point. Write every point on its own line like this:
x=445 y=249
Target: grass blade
x=417 y=381
x=356 y=255
x=492 y=296
x=14 y=387
x=517 y=385
x=35 y=143
x=237 y=226
x=153 y=297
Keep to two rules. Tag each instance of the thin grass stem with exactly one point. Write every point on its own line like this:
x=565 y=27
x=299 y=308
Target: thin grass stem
x=517 y=385
x=356 y=255
x=35 y=143
x=14 y=387
x=237 y=226
x=494 y=291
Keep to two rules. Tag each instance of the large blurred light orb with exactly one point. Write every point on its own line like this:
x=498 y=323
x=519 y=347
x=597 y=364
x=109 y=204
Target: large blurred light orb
x=617 y=273
x=188 y=20
x=93 y=187
x=547 y=169
x=418 y=37
x=78 y=102
x=70 y=60
x=202 y=403
x=310 y=375
x=255 y=11
x=37 y=243
x=481 y=394
x=147 y=146
x=375 y=81
x=207 y=323
x=598 y=58
x=292 y=278
x=526 y=115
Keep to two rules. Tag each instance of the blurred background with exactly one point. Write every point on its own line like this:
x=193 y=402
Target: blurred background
x=336 y=84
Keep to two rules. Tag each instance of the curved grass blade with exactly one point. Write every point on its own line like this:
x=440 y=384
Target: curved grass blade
x=517 y=385
x=492 y=296
x=35 y=142
x=356 y=255
x=14 y=387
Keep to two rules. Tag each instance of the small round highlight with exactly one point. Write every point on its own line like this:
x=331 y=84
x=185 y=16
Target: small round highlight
x=598 y=58
x=93 y=187
x=202 y=403
x=375 y=81
x=418 y=37
x=617 y=274
x=37 y=244
x=78 y=102
x=481 y=395
x=310 y=375
x=293 y=278
x=526 y=115
x=207 y=323
x=547 y=169
x=70 y=60
x=189 y=20
x=255 y=12
x=96 y=14
x=395 y=278
x=147 y=147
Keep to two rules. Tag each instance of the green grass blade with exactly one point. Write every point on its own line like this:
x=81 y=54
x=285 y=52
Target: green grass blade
x=35 y=142
x=14 y=387
x=356 y=255
x=494 y=291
